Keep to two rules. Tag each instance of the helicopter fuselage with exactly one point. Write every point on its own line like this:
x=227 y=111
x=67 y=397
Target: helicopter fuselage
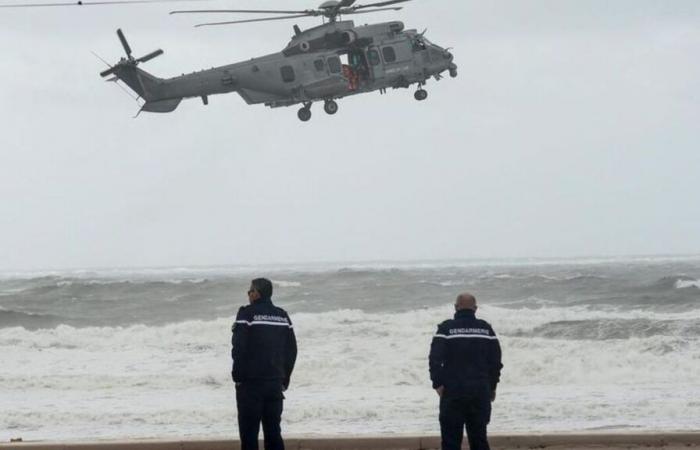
x=324 y=63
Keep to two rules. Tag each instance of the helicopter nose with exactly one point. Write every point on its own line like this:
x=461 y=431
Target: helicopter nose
x=453 y=70
x=449 y=56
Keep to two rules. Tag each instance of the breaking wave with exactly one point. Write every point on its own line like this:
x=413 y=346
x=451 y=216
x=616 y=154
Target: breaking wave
x=687 y=283
x=358 y=372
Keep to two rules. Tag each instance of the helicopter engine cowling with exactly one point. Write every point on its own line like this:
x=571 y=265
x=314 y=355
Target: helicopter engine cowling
x=348 y=37
x=304 y=46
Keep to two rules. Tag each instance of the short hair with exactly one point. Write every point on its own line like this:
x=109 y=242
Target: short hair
x=263 y=286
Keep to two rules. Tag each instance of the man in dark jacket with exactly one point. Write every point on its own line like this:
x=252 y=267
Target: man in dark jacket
x=264 y=351
x=465 y=367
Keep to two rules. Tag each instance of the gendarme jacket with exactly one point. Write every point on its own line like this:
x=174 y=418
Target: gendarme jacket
x=465 y=354
x=263 y=344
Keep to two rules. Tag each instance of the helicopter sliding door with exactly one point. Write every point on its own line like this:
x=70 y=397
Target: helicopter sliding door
x=375 y=63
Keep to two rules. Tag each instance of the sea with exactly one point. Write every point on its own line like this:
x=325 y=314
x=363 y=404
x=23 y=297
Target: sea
x=589 y=345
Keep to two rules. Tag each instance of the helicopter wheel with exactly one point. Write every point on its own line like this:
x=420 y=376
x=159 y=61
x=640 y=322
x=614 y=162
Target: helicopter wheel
x=331 y=107
x=420 y=95
x=304 y=114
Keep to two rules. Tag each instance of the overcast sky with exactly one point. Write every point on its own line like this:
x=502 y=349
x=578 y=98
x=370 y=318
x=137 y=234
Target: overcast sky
x=572 y=129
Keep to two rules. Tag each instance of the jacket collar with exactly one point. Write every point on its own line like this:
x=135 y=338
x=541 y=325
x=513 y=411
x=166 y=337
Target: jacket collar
x=465 y=314
x=263 y=301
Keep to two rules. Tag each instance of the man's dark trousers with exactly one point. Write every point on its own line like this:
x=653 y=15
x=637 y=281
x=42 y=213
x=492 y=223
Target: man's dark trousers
x=260 y=401
x=471 y=410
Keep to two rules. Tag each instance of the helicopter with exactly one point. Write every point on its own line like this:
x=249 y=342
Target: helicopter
x=324 y=63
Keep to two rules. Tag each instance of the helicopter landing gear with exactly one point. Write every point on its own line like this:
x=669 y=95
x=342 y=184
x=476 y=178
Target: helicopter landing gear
x=304 y=112
x=420 y=94
x=331 y=107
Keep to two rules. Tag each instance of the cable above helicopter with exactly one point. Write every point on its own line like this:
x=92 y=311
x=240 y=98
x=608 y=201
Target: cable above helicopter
x=94 y=3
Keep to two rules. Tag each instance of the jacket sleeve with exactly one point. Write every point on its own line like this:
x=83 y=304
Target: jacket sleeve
x=436 y=360
x=494 y=360
x=239 y=341
x=290 y=354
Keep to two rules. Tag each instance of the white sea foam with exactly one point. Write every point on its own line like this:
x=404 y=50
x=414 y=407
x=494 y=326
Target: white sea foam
x=286 y=284
x=357 y=373
x=684 y=284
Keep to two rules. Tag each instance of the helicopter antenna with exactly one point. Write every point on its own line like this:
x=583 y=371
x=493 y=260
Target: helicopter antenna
x=93 y=3
x=101 y=59
x=330 y=10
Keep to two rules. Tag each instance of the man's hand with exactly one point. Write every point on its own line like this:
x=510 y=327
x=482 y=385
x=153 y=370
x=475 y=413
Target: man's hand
x=440 y=391
x=493 y=395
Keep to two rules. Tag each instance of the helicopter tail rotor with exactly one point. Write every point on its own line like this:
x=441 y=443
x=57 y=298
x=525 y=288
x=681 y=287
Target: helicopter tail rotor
x=150 y=56
x=125 y=43
x=129 y=60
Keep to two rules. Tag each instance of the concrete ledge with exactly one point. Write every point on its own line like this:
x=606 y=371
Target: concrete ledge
x=498 y=441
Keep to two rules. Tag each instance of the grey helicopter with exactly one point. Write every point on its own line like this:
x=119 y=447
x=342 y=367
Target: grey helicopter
x=325 y=63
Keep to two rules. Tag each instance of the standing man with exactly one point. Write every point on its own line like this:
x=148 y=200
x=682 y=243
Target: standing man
x=465 y=367
x=264 y=351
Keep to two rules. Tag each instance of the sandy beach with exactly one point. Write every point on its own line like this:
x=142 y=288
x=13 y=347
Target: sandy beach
x=596 y=441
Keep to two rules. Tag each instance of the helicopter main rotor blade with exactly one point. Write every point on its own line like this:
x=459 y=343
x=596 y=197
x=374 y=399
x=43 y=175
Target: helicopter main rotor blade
x=93 y=3
x=255 y=11
x=374 y=5
x=150 y=56
x=125 y=44
x=341 y=4
x=252 y=20
x=352 y=11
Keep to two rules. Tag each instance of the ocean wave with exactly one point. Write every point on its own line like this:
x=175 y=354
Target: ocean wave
x=30 y=321
x=156 y=298
x=604 y=329
x=341 y=347
x=687 y=284
x=674 y=282
x=356 y=372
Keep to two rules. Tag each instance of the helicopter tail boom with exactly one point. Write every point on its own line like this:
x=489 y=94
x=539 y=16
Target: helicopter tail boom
x=147 y=87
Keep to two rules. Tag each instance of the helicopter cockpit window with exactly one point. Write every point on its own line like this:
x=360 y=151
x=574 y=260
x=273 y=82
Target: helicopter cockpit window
x=418 y=44
x=389 y=54
x=373 y=57
x=334 y=64
x=287 y=73
x=319 y=65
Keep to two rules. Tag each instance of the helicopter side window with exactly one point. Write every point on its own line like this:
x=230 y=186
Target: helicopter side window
x=319 y=65
x=287 y=73
x=389 y=54
x=334 y=64
x=373 y=57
